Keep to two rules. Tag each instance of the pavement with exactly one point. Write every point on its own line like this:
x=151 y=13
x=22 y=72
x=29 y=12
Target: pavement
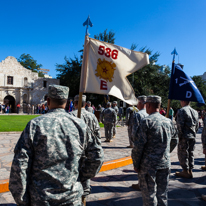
x=112 y=187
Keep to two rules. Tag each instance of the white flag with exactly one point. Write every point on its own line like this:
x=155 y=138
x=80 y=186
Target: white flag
x=105 y=69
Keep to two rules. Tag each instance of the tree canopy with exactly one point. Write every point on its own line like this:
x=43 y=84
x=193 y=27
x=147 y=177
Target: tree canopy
x=27 y=61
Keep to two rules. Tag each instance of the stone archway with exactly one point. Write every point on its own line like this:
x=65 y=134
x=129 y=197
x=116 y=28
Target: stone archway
x=9 y=100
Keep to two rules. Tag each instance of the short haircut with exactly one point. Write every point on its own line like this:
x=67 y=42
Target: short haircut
x=155 y=104
x=83 y=103
x=58 y=101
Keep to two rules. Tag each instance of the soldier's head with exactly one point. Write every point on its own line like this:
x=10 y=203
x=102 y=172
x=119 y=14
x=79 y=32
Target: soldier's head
x=76 y=101
x=108 y=104
x=153 y=103
x=57 y=96
x=114 y=103
x=89 y=103
x=184 y=103
x=141 y=102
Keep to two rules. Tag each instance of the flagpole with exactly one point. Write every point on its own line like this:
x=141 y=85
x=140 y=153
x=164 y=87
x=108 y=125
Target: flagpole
x=84 y=66
x=169 y=100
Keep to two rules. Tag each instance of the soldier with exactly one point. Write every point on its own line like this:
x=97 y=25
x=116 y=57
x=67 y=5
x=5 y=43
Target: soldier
x=93 y=125
x=131 y=110
x=108 y=118
x=187 y=125
x=138 y=116
x=156 y=138
x=47 y=168
x=89 y=108
x=114 y=106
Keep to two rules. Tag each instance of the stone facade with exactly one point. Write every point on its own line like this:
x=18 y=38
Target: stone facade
x=20 y=85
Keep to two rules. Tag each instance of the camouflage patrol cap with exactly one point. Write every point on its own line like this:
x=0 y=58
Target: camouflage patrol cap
x=88 y=102
x=153 y=99
x=114 y=102
x=108 y=103
x=58 y=92
x=76 y=98
x=142 y=98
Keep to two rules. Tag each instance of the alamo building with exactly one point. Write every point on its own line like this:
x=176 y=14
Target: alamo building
x=19 y=85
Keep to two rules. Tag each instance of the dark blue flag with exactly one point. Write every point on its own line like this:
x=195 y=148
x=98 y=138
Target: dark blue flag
x=182 y=87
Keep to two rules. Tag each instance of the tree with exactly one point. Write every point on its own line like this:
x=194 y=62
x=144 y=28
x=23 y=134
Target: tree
x=27 y=61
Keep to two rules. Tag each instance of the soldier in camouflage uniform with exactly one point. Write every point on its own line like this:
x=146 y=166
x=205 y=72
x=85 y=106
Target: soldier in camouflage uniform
x=156 y=138
x=138 y=116
x=114 y=106
x=89 y=108
x=130 y=111
x=47 y=167
x=187 y=125
x=108 y=118
x=93 y=125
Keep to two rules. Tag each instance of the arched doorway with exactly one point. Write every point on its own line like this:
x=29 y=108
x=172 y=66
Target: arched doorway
x=10 y=101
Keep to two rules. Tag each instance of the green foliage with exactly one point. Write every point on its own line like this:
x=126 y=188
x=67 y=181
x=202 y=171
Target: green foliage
x=106 y=37
x=27 y=61
x=69 y=74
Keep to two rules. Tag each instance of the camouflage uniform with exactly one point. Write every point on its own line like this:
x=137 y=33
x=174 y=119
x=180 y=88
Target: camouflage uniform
x=138 y=116
x=117 y=111
x=129 y=121
x=187 y=125
x=108 y=118
x=156 y=138
x=90 y=109
x=93 y=124
x=47 y=169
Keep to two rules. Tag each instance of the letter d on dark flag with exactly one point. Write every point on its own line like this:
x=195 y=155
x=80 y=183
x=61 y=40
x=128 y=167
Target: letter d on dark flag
x=182 y=87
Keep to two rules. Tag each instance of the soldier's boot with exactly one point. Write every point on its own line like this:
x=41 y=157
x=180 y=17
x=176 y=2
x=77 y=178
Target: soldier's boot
x=84 y=200
x=204 y=197
x=184 y=174
x=136 y=187
x=110 y=140
x=114 y=136
x=203 y=168
x=191 y=174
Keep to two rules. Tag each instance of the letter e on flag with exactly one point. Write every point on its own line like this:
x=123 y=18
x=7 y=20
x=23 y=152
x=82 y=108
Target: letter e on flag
x=103 y=85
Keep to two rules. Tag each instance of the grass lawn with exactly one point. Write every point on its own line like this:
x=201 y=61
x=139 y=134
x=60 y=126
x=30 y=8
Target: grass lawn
x=17 y=123
x=14 y=123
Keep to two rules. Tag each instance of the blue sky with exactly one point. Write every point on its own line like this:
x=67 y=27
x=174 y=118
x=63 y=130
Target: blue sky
x=51 y=30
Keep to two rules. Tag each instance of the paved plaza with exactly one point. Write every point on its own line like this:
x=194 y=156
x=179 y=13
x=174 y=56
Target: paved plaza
x=113 y=187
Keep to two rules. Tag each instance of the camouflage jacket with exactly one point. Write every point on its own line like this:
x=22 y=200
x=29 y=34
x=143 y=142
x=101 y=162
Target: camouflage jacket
x=91 y=120
x=156 y=138
x=187 y=122
x=130 y=111
x=204 y=135
x=47 y=169
x=137 y=117
x=116 y=109
x=90 y=109
x=108 y=116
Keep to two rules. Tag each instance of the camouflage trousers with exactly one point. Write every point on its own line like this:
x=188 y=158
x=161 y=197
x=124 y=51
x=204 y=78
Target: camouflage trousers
x=114 y=131
x=154 y=186
x=130 y=135
x=185 y=153
x=86 y=187
x=108 y=128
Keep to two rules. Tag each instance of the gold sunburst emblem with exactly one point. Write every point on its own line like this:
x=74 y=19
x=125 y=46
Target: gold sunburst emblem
x=105 y=70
